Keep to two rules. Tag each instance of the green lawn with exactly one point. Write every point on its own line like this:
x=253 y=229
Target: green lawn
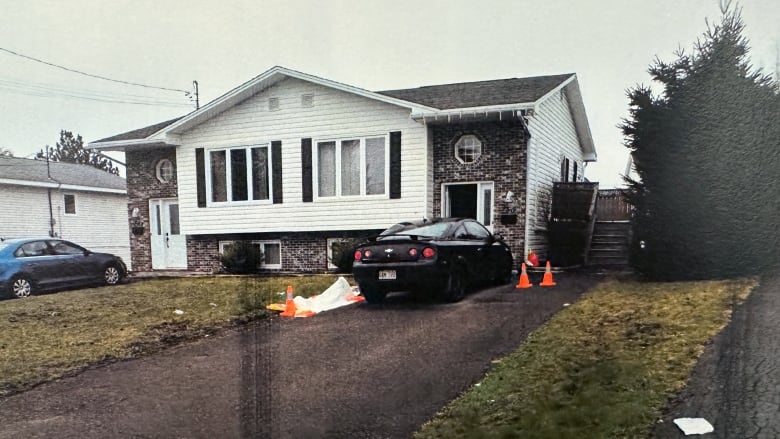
x=601 y=368
x=43 y=337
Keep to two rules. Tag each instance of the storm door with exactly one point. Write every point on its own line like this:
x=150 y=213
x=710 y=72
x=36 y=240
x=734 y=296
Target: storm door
x=469 y=200
x=169 y=246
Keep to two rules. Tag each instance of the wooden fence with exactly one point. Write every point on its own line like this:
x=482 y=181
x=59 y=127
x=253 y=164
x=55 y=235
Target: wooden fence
x=612 y=206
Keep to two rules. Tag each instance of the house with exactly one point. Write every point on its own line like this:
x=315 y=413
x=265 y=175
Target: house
x=295 y=162
x=79 y=203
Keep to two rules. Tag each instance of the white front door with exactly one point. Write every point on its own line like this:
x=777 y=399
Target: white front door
x=169 y=246
x=469 y=200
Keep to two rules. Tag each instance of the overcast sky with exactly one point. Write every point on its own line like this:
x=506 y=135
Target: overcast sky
x=376 y=45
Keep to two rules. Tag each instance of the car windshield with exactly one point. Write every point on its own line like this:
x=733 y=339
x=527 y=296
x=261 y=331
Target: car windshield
x=435 y=230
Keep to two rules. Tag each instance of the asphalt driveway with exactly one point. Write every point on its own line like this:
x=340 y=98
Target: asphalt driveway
x=736 y=383
x=357 y=372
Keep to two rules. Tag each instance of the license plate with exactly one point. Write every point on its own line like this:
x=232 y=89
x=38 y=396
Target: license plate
x=386 y=274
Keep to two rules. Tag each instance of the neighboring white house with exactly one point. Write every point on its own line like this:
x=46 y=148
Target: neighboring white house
x=79 y=203
x=295 y=162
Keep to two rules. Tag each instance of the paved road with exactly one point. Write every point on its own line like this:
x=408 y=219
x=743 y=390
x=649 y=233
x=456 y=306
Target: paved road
x=357 y=372
x=736 y=383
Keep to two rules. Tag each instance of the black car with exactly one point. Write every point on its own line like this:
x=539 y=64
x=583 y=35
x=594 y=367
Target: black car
x=443 y=256
x=31 y=265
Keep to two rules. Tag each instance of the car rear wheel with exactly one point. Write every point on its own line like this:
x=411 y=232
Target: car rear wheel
x=112 y=275
x=373 y=295
x=21 y=286
x=455 y=287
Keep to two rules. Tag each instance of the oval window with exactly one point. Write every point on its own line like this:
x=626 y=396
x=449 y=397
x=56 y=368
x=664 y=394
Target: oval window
x=165 y=171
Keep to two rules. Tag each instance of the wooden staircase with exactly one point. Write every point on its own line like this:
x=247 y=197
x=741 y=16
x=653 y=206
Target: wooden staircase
x=609 y=244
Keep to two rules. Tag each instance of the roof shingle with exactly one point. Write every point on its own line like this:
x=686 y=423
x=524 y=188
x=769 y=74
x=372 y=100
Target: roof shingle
x=480 y=93
x=14 y=168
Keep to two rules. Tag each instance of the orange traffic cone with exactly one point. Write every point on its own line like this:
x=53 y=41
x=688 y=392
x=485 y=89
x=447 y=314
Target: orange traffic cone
x=547 y=280
x=289 y=305
x=523 y=282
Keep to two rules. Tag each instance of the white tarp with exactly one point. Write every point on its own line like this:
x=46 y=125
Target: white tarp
x=337 y=295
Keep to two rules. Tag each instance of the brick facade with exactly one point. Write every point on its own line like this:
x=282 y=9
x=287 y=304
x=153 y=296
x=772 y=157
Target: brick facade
x=503 y=162
x=304 y=252
x=142 y=185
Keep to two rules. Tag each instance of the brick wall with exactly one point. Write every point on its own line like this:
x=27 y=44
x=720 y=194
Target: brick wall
x=301 y=252
x=503 y=161
x=142 y=184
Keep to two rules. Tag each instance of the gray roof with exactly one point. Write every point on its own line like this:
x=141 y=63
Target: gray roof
x=13 y=168
x=481 y=93
x=140 y=133
x=442 y=97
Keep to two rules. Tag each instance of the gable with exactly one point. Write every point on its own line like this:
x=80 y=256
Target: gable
x=330 y=113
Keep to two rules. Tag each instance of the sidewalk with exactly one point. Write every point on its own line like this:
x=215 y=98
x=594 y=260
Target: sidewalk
x=736 y=383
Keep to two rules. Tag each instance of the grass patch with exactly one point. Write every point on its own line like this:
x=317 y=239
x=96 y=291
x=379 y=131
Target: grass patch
x=44 y=337
x=601 y=368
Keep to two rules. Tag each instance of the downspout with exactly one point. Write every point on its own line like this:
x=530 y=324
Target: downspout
x=527 y=184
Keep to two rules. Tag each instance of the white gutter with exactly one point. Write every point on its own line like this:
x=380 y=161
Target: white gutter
x=460 y=112
x=120 y=145
x=70 y=187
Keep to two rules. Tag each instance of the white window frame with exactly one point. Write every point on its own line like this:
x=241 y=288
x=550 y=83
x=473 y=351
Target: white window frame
x=261 y=244
x=316 y=168
x=329 y=244
x=463 y=138
x=228 y=175
x=159 y=170
x=65 y=205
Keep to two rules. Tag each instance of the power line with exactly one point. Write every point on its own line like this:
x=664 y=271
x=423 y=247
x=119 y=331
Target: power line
x=90 y=74
x=97 y=99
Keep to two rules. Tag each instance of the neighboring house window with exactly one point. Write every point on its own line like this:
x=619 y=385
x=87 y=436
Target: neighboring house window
x=271 y=250
x=239 y=174
x=70 y=204
x=164 y=170
x=351 y=167
x=468 y=148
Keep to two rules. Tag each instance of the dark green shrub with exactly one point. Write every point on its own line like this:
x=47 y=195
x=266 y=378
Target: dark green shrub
x=241 y=257
x=342 y=253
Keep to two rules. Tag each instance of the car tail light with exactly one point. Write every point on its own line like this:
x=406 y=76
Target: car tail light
x=358 y=255
x=413 y=252
x=367 y=253
x=429 y=252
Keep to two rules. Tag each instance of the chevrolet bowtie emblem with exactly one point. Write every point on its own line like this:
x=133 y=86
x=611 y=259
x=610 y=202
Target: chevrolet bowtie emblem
x=388 y=250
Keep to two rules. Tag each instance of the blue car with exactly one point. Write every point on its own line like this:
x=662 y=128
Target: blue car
x=32 y=265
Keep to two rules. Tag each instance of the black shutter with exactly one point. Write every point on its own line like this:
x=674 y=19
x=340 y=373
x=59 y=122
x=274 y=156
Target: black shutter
x=395 y=164
x=306 y=170
x=276 y=170
x=200 y=176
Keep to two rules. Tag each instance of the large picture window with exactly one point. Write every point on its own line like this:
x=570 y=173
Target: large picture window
x=351 y=167
x=239 y=174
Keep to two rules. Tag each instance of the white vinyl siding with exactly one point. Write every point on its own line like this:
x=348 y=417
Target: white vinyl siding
x=100 y=225
x=553 y=138
x=334 y=115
